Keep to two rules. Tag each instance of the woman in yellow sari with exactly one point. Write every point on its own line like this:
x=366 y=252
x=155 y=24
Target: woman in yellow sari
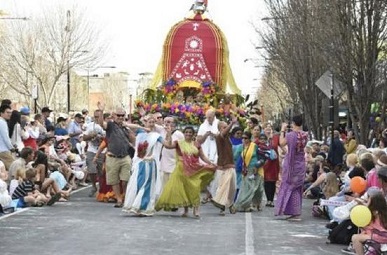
x=189 y=177
x=251 y=159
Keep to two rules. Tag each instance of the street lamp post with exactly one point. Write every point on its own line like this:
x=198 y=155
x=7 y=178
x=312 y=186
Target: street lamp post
x=332 y=108
x=67 y=29
x=68 y=85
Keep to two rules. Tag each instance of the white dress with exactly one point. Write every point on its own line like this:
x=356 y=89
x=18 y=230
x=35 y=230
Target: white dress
x=142 y=191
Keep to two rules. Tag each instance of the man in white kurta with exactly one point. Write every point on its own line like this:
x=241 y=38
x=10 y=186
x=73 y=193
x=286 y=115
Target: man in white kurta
x=206 y=136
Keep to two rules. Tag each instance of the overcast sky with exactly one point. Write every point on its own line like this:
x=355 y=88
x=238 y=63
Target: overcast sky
x=137 y=29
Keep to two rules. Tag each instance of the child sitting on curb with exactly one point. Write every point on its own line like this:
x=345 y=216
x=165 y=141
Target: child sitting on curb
x=27 y=195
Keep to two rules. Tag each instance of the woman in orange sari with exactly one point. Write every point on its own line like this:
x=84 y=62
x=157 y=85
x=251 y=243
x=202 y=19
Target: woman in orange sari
x=105 y=192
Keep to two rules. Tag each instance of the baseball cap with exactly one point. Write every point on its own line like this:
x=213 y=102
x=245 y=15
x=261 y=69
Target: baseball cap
x=46 y=109
x=382 y=171
x=78 y=115
x=382 y=161
x=60 y=119
x=25 y=110
x=61 y=137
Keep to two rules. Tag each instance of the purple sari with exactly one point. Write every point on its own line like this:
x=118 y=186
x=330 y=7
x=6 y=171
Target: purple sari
x=289 y=200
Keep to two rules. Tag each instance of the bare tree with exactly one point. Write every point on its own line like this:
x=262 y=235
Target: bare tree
x=309 y=36
x=291 y=44
x=274 y=96
x=46 y=48
x=357 y=37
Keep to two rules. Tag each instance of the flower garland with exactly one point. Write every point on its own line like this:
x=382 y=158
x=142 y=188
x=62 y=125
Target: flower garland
x=170 y=88
x=141 y=149
x=209 y=88
x=190 y=113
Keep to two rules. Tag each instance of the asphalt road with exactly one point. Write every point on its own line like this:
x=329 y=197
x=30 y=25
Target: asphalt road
x=84 y=226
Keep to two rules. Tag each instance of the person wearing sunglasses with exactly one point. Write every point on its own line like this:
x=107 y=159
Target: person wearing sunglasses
x=120 y=137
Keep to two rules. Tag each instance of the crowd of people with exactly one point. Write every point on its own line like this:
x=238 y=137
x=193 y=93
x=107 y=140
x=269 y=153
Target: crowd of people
x=156 y=165
x=141 y=168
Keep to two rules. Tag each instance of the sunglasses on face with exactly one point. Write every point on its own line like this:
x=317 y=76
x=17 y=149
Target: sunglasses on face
x=120 y=115
x=159 y=117
x=244 y=137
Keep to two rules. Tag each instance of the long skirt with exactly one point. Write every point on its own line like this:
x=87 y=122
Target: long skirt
x=226 y=187
x=250 y=193
x=140 y=195
x=182 y=190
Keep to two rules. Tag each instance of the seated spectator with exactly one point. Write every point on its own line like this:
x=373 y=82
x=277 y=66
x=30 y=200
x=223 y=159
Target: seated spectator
x=351 y=162
x=20 y=175
x=26 y=193
x=315 y=189
x=61 y=127
x=44 y=183
x=312 y=170
x=27 y=155
x=5 y=198
x=378 y=207
x=372 y=177
x=331 y=185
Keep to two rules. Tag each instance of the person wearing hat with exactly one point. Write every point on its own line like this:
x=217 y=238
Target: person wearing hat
x=25 y=110
x=61 y=127
x=75 y=129
x=46 y=114
x=372 y=177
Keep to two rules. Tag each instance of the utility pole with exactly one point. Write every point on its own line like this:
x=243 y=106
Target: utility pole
x=332 y=108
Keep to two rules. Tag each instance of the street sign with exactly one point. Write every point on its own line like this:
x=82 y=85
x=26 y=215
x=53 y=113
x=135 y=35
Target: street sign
x=34 y=92
x=324 y=84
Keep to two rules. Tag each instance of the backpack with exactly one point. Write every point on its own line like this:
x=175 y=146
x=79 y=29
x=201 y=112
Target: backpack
x=319 y=210
x=342 y=233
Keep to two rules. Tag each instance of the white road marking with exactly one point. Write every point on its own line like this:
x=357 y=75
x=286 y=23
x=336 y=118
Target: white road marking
x=25 y=209
x=249 y=238
x=14 y=213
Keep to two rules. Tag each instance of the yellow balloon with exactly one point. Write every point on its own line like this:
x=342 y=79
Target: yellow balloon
x=361 y=216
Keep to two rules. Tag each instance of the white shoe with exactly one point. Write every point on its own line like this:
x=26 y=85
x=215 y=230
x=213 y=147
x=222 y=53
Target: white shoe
x=348 y=250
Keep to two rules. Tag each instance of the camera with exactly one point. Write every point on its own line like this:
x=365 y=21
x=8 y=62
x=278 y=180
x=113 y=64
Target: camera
x=15 y=150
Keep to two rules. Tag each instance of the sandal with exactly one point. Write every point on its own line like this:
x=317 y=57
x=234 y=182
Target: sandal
x=217 y=205
x=206 y=200
x=119 y=205
x=294 y=218
x=232 y=209
x=55 y=198
x=195 y=213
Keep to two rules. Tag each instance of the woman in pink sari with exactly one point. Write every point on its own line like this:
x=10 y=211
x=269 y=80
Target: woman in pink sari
x=289 y=200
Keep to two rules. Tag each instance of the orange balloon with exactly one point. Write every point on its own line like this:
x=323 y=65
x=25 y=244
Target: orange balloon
x=358 y=184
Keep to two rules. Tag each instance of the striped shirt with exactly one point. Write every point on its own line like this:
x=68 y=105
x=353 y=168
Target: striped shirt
x=23 y=189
